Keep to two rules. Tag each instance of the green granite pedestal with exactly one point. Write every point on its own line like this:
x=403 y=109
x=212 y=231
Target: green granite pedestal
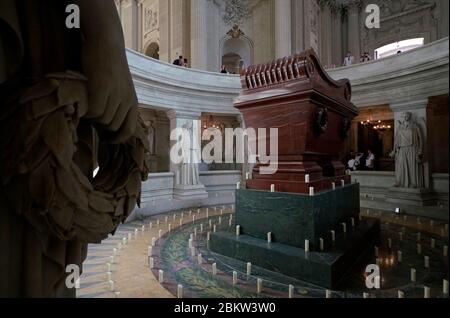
x=292 y=219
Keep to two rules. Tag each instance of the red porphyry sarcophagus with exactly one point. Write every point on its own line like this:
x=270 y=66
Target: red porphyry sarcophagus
x=313 y=114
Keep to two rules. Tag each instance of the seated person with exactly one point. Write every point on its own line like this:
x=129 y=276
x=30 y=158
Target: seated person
x=370 y=160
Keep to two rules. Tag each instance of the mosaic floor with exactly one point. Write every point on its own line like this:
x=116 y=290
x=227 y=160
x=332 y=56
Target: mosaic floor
x=128 y=273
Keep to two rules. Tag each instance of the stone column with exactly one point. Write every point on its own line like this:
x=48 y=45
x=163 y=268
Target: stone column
x=298 y=34
x=187 y=185
x=283 y=34
x=337 y=38
x=326 y=29
x=129 y=19
x=140 y=24
x=353 y=31
x=198 y=34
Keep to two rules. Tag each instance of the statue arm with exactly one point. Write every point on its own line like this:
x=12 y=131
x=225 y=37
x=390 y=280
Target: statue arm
x=112 y=98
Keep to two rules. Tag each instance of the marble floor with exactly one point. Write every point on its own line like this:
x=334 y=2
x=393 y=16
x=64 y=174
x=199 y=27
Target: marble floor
x=132 y=277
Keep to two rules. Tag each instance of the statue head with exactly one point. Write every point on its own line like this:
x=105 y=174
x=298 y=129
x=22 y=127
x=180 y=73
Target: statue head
x=406 y=117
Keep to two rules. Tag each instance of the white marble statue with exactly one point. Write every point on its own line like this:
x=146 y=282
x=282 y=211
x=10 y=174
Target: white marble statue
x=189 y=167
x=408 y=153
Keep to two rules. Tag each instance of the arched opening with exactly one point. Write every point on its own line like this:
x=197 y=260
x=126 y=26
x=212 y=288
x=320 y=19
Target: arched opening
x=153 y=51
x=398 y=47
x=233 y=63
x=237 y=53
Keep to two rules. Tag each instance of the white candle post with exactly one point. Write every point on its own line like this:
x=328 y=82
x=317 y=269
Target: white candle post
x=238 y=185
x=343 y=183
x=413 y=275
x=190 y=243
x=214 y=228
x=333 y=236
x=161 y=276
x=160 y=233
x=249 y=269
x=238 y=230
x=352 y=220
x=180 y=291
x=124 y=241
x=235 y=278
x=311 y=191
x=291 y=291
x=272 y=188
x=181 y=222
x=201 y=228
x=366 y=295
x=306 y=246
x=115 y=251
x=399 y=256
x=401 y=294
x=129 y=236
x=150 y=251
x=426 y=292
x=445 y=287
x=259 y=284
x=247 y=176
x=344 y=227
x=143 y=228
x=328 y=293
x=111 y=286
x=153 y=241
x=269 y=237
x=192 y=251
x=321 y=243
x=433 y=243
x=426 y=261
x=333 y=185
x=169 y=227
x=214 y=269
x=208 y=236
x=151 y=262
x=220 y=220
x=306 y=178
x=108 y=267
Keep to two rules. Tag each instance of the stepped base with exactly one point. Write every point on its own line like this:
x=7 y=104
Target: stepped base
x=325 y=269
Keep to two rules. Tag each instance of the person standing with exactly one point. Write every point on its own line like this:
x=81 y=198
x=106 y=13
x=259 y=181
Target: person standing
x=349 y=59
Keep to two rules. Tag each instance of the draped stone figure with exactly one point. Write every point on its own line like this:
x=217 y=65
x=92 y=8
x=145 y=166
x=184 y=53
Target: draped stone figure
x=191 y=149
x=67 y=102
x=408 y=152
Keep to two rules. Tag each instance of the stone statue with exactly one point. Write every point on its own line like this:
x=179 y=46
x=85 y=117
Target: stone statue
x=408 y=153
x=151 y=137
x=189 y=166
x=64 y=107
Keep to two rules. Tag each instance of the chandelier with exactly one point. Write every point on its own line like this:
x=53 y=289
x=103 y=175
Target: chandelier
x=376 y=124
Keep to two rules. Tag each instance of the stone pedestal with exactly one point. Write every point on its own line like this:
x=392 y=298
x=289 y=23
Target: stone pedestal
x=292 y=219
x=190 y=192
x=411 y=197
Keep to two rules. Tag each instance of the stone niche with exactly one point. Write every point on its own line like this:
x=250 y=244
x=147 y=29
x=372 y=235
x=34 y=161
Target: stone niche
x=313 y=236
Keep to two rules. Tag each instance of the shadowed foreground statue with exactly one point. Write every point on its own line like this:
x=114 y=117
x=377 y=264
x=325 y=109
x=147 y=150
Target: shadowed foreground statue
x=67 y=104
